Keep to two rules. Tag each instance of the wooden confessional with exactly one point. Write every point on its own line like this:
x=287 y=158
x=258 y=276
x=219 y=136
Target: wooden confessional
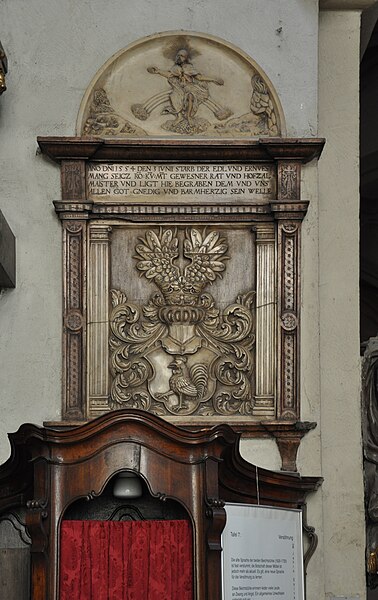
x=190 y=474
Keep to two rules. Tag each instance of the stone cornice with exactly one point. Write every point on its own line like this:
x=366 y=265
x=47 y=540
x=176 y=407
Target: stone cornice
x=188 y=150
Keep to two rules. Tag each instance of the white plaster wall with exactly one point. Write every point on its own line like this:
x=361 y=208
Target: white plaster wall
x=54 y=50
x=342 y=491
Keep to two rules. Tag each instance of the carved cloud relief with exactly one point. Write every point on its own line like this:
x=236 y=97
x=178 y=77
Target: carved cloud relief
x=183 y=85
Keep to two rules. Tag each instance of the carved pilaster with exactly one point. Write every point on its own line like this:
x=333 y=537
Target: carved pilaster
x=265 y=320
x=98 y=318
x=74 y=239
x=288 y=316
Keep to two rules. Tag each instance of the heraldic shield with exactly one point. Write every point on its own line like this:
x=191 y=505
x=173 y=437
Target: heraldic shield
x=179 y=354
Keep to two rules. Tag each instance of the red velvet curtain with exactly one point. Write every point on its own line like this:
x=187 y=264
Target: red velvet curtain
x=128 y=560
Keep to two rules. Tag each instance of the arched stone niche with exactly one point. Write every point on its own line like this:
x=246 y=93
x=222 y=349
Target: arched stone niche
x=182 y=84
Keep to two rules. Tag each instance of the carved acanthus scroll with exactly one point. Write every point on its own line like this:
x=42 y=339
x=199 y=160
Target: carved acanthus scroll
x=179 y=354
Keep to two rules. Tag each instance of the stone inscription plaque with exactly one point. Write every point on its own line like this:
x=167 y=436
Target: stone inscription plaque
x=125 y=183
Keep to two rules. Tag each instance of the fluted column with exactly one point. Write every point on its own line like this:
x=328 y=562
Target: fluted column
x=266 y=350
x=98 y=319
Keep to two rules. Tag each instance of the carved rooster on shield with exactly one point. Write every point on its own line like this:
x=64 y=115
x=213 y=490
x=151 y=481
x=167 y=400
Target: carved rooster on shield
x=186 y=383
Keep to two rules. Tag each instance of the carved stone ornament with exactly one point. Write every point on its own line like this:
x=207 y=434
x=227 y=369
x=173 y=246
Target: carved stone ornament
x=183 y=83
x=179 y=354
x=182 y=270
x=181 y=213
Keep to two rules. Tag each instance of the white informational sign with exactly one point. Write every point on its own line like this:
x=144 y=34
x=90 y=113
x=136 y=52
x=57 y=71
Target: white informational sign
x=262 y=553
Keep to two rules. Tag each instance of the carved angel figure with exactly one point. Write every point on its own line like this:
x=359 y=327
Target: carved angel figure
x=261 y=120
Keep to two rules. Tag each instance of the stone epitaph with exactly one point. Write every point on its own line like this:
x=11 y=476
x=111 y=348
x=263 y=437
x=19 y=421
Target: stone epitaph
x=181 y=213
x=188 y=309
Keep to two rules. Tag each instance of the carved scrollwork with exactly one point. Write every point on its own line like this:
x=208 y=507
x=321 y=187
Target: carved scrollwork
x=312 y=539
x=216 y=514
x=179 y=354
x=211 y=504
x=38 y=505
x=36 y=519
x=18 y=525
x=92 y=495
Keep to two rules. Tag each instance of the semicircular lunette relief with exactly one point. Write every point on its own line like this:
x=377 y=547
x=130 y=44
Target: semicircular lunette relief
x=181 y=84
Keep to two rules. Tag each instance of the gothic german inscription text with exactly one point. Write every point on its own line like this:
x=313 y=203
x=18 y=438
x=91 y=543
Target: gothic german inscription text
x=174 y=182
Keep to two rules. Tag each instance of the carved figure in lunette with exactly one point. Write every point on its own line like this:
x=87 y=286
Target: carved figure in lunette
x=207 y=89
x=189 y=90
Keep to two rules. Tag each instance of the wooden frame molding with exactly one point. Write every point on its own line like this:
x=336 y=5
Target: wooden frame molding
x=202 y=470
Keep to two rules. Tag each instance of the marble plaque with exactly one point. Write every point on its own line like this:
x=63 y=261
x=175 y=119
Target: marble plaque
x=125 y=183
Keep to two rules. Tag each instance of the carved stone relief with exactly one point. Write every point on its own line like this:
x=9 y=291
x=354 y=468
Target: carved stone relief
x=175 y=347
x=179 y=354
x=184 y=84
x=209 y=330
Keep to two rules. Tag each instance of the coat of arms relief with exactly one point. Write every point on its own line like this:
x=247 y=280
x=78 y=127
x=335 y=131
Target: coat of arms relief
x=179 y=353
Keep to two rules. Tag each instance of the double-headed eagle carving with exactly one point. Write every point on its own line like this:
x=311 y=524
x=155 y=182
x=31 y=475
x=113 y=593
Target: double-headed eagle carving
x=181 y=286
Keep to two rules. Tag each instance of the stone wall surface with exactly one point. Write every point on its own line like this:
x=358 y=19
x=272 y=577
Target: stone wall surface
x=54 y=50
